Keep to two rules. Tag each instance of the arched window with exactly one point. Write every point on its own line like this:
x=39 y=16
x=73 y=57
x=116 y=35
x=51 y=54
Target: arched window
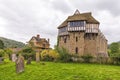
x=76 y=50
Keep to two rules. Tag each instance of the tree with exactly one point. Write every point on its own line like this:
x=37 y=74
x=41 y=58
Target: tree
x=28 y=52
x=115 y=53
x=2 y=52
x=1 y=44
x=8 y=52
x=114 y=47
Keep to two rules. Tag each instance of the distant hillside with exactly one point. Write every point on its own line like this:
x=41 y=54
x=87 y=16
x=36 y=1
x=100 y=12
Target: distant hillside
x=8 y=43
x=118 y=41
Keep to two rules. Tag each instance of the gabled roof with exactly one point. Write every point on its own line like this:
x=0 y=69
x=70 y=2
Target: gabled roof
x=39 y=39
x=77 y=16
x=36 y=38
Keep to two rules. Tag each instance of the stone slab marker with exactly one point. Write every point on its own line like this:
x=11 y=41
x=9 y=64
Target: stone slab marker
x=20 y=64
x=29 y=60
x=1 y=59
x=37 y=57
x=14 y=57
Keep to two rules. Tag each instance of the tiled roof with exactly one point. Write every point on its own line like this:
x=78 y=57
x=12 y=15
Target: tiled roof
x=80 y=17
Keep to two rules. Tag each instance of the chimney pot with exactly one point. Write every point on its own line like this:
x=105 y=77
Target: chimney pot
x=38 y=36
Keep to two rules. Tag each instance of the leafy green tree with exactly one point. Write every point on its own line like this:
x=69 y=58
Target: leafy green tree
x=8 y=52
x=114 y=47
x=1 y=44
x=28 y=52
x=115 y=52
x=2 y=52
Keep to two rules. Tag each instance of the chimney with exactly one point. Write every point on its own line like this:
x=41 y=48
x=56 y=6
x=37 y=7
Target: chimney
x=48 y=40
x=38 y=36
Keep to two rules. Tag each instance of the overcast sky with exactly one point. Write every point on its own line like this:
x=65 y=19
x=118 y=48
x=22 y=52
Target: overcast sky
x=22 y=19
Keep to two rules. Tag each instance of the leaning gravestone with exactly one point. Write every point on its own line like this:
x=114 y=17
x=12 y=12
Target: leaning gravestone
x=29 y=60
x=20 y=64
x=14 y=57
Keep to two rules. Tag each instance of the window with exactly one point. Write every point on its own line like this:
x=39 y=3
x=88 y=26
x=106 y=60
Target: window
x=76 y=50
x=65 y=40
x=64 y=29
x=44 y=45
x=76 y=39
x=77 y=24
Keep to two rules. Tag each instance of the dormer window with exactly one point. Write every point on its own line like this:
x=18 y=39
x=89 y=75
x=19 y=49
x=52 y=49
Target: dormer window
x=77 y=24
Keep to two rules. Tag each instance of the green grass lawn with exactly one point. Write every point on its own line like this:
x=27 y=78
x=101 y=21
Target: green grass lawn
x=60 y=71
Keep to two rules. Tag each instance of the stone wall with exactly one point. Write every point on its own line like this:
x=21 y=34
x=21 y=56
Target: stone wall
x=91 y=44
x=71 y=44
x=86 y=43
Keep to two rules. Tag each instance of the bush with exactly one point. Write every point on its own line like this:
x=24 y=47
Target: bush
x=115 y=58
x=87 y=58
x=64 y=54
x=28 y=52
x=2 y=52
x=49 y=55
x=8 y=52
x=102 y=58
x=115 y=53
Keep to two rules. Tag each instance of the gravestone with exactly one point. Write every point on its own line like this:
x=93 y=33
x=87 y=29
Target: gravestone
x=14 y=57
x=1 y=59
x=20 y=64
x=29 y=60
x=37 y=57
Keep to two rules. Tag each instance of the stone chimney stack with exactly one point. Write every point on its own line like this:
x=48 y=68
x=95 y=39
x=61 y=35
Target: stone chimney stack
x=48 y=40
x=38 y=36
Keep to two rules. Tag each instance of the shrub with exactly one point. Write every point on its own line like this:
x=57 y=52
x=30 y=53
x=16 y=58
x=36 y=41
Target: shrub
x=49 y=55
x=8 y=52
x=115 y=58
x=2 y=52
x=64 y=54
x=28 y=52
x=101 y=58
x=115 y=53
x=87 y=58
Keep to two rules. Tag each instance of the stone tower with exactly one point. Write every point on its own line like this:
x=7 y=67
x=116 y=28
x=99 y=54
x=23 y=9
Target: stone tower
x=80 y=34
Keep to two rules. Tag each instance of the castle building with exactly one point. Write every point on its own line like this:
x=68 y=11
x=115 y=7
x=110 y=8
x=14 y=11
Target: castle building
x=38 y=43
x=80 y=34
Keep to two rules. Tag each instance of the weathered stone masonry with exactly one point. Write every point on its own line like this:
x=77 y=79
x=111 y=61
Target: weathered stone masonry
x=80 y=34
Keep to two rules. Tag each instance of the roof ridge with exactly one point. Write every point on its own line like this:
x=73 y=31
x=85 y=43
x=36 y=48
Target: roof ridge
x=77 y=12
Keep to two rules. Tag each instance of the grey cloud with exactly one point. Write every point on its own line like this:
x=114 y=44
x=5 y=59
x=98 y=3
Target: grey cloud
x=109 y=5
x=61 y=5
x=98 y=5
x=26 y=18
